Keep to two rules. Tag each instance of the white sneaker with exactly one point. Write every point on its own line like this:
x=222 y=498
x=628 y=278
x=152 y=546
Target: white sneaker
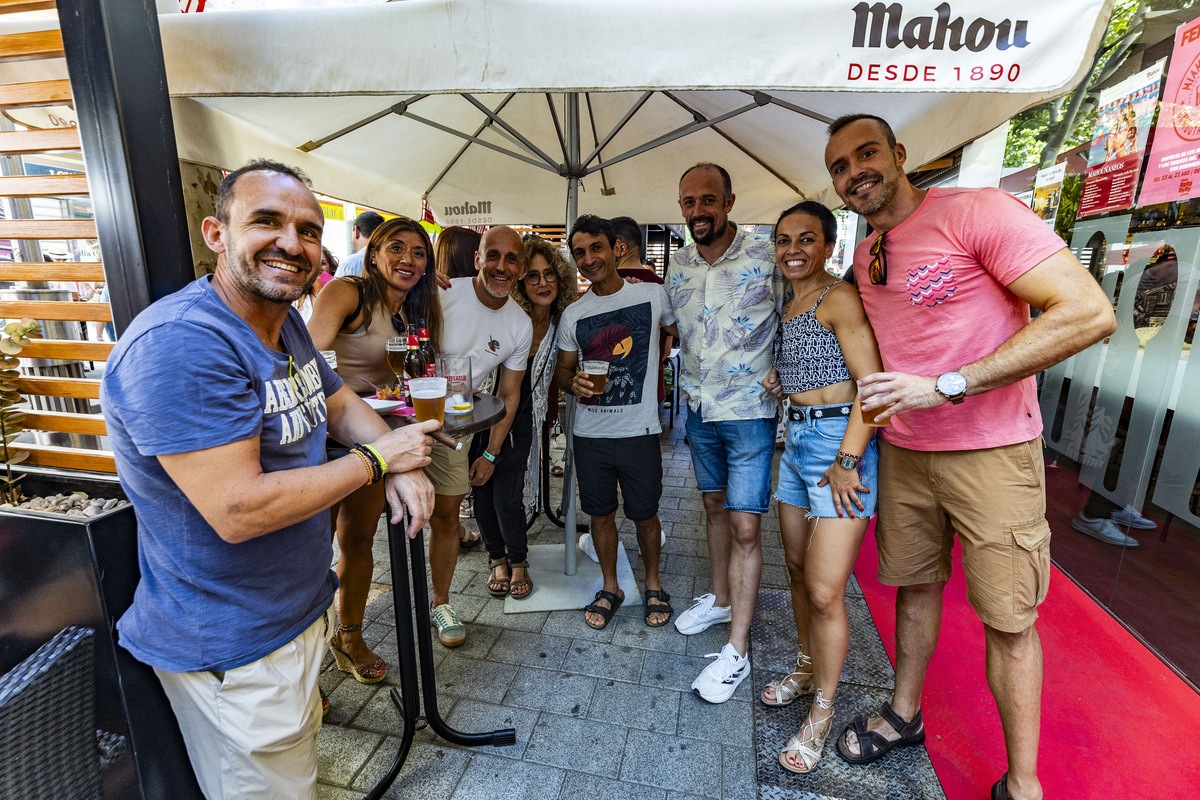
x=1130 y=518
x=720 y=679
x=588 y=548
x=1103 y=529
x=703 y=614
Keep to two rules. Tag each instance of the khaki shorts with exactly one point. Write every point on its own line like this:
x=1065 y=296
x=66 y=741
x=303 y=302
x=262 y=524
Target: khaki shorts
x=450 y=470
x=995 y=499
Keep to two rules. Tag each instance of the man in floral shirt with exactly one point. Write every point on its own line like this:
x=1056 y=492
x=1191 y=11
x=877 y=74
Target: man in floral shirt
x=724 y=288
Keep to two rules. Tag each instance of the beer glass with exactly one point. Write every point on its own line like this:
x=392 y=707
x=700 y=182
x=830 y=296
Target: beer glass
x=868 y=417
x=597 y=373
x=457 y=372
x=396 y=348
x=428 y=398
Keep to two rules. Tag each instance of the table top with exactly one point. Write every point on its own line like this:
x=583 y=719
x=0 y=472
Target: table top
x=488 y=410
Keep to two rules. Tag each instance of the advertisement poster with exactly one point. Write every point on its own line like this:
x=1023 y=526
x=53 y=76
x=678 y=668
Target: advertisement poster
x=1122 y=127
x=1047 y=190
x=1173 y=165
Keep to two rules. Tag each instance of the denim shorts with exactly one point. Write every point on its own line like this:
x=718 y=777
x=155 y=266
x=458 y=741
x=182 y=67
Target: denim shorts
x=733 y=456
x=810 y=447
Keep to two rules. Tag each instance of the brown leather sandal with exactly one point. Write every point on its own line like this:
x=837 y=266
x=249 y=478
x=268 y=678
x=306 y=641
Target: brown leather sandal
x=520 y=589
x=497 y=586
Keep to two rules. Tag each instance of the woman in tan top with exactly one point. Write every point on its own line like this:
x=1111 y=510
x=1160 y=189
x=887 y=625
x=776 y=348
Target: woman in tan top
x=354 y=316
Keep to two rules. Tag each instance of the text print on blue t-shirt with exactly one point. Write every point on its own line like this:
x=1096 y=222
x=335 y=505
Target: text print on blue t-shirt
x=620 y=337
x=299 y=401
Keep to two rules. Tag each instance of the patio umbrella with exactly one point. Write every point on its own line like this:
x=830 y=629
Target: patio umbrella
x=532 y=110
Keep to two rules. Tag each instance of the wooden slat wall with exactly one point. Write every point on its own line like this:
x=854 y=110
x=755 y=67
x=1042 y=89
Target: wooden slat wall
x=19 y=47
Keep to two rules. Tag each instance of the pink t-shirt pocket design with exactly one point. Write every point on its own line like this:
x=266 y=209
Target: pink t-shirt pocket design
x=930 y=285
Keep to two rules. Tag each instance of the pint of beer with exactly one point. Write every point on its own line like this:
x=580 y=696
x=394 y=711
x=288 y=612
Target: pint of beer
x=597 y=373
x=428 y=398
x=868 y=417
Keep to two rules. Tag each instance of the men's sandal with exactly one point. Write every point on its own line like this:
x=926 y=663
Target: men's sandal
x=872 y=745
x=658 y=608
x=524 y=587
x=606 y=613
x=469 y=538
x=797 y=683
x=498 y=586
x=1000 y=789
x=372 y=673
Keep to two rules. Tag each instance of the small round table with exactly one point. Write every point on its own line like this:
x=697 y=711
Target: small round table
x=411 y=598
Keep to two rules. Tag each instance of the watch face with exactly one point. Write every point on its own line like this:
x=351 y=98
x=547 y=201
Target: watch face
x=952 y=383
x=848 y=463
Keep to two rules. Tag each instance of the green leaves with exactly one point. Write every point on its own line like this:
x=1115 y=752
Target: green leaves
x=16 y=337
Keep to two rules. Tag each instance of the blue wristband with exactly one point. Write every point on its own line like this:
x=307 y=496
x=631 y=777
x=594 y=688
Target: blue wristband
x=489 y=456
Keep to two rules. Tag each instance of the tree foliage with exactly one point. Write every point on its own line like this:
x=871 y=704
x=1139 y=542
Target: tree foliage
x=1040 y=134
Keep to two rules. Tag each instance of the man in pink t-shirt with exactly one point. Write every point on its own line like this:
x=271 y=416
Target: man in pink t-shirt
x=947 y=281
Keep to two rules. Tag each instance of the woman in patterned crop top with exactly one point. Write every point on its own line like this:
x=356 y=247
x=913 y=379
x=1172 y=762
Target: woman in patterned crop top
x=826 y=487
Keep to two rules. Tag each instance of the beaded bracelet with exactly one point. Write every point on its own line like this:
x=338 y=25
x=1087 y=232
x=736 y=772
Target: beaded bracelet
x=372 y=462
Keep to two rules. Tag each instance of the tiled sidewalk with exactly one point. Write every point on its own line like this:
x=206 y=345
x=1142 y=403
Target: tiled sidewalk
x=598 y=714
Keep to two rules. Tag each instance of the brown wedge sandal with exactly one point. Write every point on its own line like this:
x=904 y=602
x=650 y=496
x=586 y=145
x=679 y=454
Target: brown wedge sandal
x=497 y=586
x=520 y=589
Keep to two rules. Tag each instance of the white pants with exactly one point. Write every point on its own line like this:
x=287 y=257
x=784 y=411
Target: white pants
x=251 y=732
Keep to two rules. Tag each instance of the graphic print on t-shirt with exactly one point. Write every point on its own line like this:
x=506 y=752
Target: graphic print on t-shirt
x=622 y=338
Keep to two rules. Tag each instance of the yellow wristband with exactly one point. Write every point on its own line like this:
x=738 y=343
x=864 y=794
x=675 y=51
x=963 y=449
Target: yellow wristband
x=379 y=458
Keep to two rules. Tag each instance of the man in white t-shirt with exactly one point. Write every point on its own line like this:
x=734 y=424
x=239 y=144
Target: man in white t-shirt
x=616 y=430
x=482 y=321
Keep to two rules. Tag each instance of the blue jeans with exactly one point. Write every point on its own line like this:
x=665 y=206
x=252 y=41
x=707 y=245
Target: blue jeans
x=812 y=445
x=733 y=456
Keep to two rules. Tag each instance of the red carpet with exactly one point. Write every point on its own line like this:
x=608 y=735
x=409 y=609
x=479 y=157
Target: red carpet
x=1115 y=719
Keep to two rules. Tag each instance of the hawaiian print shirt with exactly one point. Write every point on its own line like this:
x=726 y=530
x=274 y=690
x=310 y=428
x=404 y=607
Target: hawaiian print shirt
x=727 y=314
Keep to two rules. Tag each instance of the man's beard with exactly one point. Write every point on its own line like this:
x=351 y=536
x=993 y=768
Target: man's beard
x=247 y=277
x=887 y=193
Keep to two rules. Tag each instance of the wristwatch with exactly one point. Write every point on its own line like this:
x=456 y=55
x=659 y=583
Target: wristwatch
x=847 y=461
x=952 y=386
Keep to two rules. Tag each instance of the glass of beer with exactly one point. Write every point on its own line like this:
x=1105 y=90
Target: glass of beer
x=457 y=372
x=396 y=348
x=597 y=373
x=869 y=417
x=428 y=398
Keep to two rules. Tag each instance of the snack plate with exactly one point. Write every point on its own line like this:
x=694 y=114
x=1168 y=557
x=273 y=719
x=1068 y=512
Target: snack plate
x=383 y=406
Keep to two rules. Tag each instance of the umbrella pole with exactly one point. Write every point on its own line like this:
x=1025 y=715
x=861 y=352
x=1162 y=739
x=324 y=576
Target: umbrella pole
x=572 y=120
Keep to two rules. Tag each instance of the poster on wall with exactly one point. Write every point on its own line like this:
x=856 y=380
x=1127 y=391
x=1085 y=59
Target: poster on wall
x=1047 y=190
x=1122 y=127
x=1173 y=165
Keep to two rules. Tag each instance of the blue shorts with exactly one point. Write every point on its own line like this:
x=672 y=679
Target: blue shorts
x=810 y=447
x=733 y=456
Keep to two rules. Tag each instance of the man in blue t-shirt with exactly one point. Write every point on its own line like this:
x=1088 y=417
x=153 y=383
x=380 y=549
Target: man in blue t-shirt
x=218 y=407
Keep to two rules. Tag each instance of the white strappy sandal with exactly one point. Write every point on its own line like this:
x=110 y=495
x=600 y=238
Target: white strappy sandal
x=807 y=745
x=796 y=683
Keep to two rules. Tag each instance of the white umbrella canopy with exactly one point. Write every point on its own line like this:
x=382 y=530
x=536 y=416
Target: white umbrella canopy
x=370 y=108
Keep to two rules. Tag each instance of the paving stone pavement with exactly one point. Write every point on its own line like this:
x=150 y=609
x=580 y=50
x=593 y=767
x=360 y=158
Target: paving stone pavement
x=598 y=714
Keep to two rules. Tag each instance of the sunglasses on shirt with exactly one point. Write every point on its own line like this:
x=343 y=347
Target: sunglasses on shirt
x=877 y=269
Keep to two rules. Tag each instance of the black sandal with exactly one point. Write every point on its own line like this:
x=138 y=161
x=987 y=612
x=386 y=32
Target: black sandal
x=658 y=608
x=1000 y=789
x=606 y=613
x=872 y=745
